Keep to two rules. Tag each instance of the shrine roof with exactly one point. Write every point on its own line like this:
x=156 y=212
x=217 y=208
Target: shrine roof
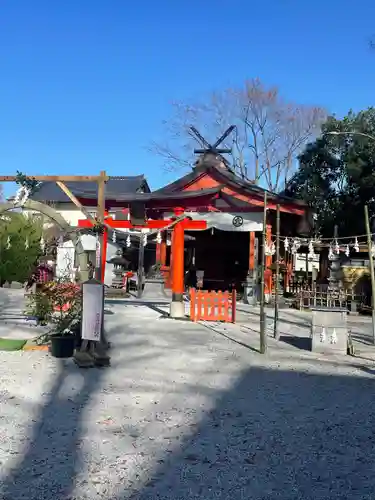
x=116 y=187
x=227 y=178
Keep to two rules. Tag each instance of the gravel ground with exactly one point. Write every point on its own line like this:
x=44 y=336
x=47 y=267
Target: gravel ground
x=186 y=412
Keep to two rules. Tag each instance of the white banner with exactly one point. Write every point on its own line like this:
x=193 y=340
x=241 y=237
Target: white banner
x=92 y=311
x=228 y=221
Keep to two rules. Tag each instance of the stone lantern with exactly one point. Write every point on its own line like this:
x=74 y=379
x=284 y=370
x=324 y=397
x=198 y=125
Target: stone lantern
x=120 y=264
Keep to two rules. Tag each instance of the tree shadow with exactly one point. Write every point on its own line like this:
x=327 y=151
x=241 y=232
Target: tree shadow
x=274 y=435
x=303 y=343
x=52 y=458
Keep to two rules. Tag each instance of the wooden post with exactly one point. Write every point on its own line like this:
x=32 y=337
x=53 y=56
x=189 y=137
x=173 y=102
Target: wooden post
x=100 y=271
x=140 y=272
x=371 y=260
x=276 y=332
x=177 y=269
x=263 y=332
x=268 y=263
x=252 y=252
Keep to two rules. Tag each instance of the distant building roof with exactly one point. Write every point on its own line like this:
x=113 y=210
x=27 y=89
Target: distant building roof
x=115 y=187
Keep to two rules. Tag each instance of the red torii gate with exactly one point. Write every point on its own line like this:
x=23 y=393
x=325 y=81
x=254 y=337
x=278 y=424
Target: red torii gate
x=177 y=249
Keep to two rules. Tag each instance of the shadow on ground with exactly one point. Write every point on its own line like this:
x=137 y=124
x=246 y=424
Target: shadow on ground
x=47 y=467
x=276 y=435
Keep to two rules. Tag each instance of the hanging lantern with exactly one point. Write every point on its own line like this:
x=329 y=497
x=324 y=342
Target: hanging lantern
x=333 y=339
x=27 y=244
x=22 y=195
x=311 y=254
x=158 y=238
x=8 y=243
x=114 y=236
x=128 y=241
x=337 y=247
x=323 y=335
x=286 y=244
x=356 y=246
x=295 y=245
x=270 y=249
x=347 y=250
x=330 y=253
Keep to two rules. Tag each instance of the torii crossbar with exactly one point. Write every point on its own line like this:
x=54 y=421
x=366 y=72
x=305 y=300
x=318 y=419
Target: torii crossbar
x=177 y=249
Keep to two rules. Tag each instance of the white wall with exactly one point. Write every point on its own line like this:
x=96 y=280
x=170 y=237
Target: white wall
x=66 y=253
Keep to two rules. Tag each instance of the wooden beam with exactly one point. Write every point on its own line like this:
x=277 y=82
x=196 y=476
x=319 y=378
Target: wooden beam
x=150 y=224
x=55 y=178
x=76 y=202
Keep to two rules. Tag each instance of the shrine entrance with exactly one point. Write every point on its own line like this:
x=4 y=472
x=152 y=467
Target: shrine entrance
x=223 y=257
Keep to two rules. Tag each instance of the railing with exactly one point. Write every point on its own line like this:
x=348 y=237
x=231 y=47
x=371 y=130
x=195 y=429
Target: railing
x=212 y=306
x=306 y=299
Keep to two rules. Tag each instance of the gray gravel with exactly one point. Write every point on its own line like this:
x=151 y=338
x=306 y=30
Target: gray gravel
x=186 y=412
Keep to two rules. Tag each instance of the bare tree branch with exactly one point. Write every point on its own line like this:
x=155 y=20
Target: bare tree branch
x=270 y=132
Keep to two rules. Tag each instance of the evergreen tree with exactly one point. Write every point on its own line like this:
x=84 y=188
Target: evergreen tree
x=20 y=236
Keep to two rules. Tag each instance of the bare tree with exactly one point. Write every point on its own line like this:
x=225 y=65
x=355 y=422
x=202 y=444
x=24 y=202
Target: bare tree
x=270 y=132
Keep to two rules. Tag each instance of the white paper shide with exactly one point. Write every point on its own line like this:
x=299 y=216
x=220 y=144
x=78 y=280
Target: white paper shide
x=92 y=311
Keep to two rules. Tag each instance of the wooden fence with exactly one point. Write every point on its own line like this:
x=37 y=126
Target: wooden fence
x=212 y=306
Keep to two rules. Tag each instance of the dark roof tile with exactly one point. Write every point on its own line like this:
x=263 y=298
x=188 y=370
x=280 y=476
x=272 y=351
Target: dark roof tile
x=115 y=187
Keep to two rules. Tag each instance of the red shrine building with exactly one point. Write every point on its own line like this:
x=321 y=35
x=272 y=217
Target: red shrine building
x=219 y=237
x=228 y=250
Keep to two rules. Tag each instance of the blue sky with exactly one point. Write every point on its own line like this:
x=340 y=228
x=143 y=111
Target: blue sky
x=85 y=84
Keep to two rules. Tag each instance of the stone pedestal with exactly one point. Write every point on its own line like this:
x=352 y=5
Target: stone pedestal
x=329 y=331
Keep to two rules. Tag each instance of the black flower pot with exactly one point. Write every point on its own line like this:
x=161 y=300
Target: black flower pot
x=62 y=346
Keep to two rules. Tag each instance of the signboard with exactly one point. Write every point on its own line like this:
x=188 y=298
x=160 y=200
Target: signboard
x=92 y=310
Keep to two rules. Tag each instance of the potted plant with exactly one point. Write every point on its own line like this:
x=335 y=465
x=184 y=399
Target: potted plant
x=65 y=320
x=58 y=303
x=63 y=339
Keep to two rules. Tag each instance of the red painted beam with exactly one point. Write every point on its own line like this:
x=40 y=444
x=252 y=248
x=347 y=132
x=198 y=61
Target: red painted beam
x=150 y=224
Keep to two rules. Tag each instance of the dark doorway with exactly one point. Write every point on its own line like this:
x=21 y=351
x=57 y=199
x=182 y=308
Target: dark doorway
x=223 y=256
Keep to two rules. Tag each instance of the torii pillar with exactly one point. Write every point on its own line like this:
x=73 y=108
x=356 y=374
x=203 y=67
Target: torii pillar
x=177 y=309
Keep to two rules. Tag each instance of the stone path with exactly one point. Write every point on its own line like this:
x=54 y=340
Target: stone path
x=13 y=323
x=186 y=412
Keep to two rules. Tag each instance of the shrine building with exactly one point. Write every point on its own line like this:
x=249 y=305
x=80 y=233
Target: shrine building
x=225 y=253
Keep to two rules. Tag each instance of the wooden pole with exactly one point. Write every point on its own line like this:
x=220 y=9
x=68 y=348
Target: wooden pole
x=263 y=332
x=141 y=258
x=276 y=332
x=369 y=244
x=100 y=271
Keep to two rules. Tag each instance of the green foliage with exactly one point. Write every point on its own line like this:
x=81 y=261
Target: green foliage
x=336 y=174
x=17 y=261
x=49 y=305
x=28 y=182
x=39 y=307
